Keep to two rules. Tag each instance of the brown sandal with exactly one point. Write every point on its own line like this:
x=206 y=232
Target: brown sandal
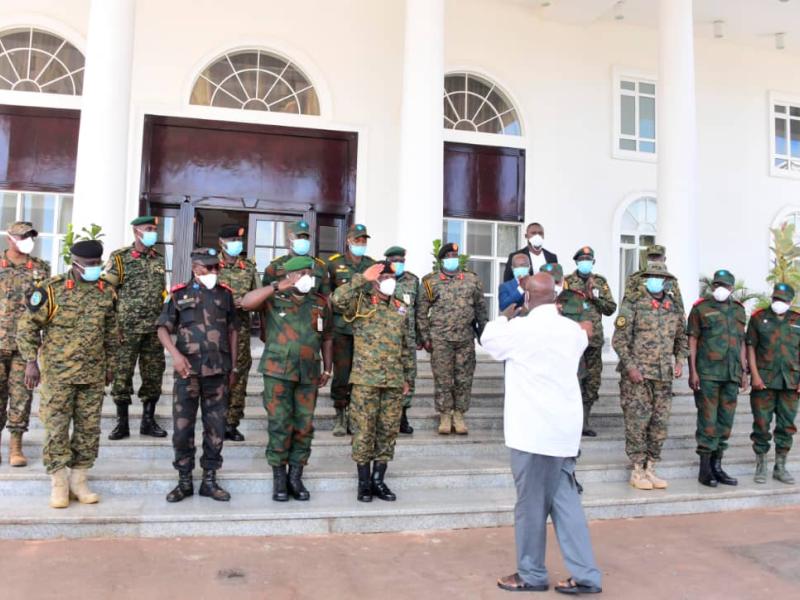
x=570 y=586
x=514 y=583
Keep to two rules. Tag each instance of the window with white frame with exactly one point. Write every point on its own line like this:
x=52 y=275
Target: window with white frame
x=488 y=244
x=637 y=232
x=50 y=213
x=472 y=103
x=786 y=137
x=635 y=117
x=36 y=61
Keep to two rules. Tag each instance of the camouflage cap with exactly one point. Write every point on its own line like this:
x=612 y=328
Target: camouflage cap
x=656 y=250
x=357 y=230
x=298 y=263
x=724 y=277
x=449 y=247
x=395 y=251
x=584 y=252
x=205 y=256
x=555 y=269
x=22 y=229
x=783 y=291
x=657 y=270
x=233 y=230
x=299 y=228
x=145 y=220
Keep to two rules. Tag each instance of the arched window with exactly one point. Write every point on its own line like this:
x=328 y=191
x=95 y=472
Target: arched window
x=637 y=232
x=472 y=103
x=255 y=80
x=32 y=60
x=793 y=218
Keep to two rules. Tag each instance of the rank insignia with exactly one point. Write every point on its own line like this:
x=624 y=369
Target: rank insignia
x=621 y=322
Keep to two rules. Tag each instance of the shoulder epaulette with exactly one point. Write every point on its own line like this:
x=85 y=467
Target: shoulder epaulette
x=319 y=261
x=757 y=311
x=177 y=287
x=225 y=286
x=699 y=301
x=427 y=284
x=333 y=257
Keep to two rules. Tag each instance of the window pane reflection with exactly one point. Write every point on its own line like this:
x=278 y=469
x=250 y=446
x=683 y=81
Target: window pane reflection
x=479 y=238
x=40 y=209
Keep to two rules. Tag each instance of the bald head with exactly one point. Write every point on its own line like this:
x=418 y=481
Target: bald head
x=540 y=289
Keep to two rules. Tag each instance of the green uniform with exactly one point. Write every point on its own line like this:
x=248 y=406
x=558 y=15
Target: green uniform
x=275 y=272
x=407 y=291
x=573 y=306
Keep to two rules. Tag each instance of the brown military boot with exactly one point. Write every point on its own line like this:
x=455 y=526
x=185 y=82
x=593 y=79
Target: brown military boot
x=650 y=473
x=79 y=489
x=445 y=423
x=639 y=480
x=458 y=423
x=59 y=489
x=15 y=456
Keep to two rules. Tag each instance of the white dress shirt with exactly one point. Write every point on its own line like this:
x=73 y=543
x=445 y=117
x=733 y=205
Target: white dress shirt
x=543 y=412
x=537 y=260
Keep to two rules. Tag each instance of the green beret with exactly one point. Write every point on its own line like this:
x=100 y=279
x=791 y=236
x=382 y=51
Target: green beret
x=356 y=231
x=298 y=263
x=554 y=269
x=299 y=228
x=584 y=252
x=145 y=220
x=395 y=251
x=725 y=277
x=783 y=291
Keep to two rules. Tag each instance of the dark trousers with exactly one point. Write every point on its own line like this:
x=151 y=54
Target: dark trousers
x=342 y=365
x=211 y=395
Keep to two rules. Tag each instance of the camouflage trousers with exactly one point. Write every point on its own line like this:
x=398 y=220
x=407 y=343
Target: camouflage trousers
x=15 y=398
x=244 y=361
x=342 y=365
x=592 y=370
x=145 y=348
x=375 y=418
x=80 y=405
x=210 y=394
x=646 y=408
x=290 y=406
x=782 y=404
x=716 y=407
x=412 y=384
x=453 y=366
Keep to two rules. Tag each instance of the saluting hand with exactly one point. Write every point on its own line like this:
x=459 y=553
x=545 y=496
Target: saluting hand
x=289 y=281
x=373 y=272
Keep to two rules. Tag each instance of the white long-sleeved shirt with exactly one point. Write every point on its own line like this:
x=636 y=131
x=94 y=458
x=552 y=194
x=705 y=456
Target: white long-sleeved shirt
x=543 y=412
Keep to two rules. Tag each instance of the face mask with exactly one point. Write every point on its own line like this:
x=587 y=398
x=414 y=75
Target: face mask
x=301 y=246
x=304 y=284
x=585 y=267
x=537 y=241
x=721 y=294
x=387 y=286
x=520 y=272
x=358 y=250
x=90 y=273
x=399 y=268
x=234 y=248
x=779 y=307
x=655 y=285
x=209 y=280
x=148 y=238
x=25 y=246
x=558 y=289
x=450 y=264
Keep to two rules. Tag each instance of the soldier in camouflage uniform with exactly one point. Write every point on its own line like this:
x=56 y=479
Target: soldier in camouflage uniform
x=19 y=273
x=341 y=270
x=649 y=333
x=598 y=302
x=635 y=284
x=571 y=304
x=138 y=274
x=298 y=325
x=299 y=234
x=240 y=275
x=71 y=323
x=451 y=310
x=381 y=375
x=716 y=372
x=773 y=354
x=202 y=315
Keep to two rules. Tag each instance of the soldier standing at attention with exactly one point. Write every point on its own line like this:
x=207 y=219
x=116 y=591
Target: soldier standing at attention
x=341 y=269
x=19 y=273
x=407 y=291
x=635 y=284
x=203 y=318
x=599 y=302
x=241 y=276
x=298 y=323
x=381 y=376
x=451 y=309
x=649 y=333
x=299 y=234
x=571 y=304
x=71 y=322
x=773 y=354
x=717 y=360
x=138 y=275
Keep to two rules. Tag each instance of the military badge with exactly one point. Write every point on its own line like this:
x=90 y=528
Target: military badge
x=35 y=300
x=621 y=322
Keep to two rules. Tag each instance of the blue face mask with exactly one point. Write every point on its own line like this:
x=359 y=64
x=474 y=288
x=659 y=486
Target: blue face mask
x=520 y=272
x=149 y=238
x=399 y=268
x=91 y=273
x=358 y=250
x=450 y=264
x=234 y=248
x=655 y=285
x=585 y=266
x=301 y=246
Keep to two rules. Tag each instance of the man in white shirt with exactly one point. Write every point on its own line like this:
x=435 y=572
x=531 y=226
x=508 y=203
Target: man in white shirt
x=543 y=418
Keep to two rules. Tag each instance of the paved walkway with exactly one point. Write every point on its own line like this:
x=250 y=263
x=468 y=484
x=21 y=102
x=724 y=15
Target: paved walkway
x=739 y=555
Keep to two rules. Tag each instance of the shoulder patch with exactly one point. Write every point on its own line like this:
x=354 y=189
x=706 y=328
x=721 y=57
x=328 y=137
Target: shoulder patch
x=225 y=287
x=35 y=300
x=177 y=287
x=620 y=322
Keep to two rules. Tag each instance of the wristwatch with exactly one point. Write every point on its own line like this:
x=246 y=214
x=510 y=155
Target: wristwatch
x=274 y=285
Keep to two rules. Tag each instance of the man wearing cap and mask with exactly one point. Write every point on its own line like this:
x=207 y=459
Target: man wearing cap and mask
x=717 y=365
x=571 y=304
x=71 y=324
x=451 y=312
x=513 y=290
x=298 y=327
x=598 y=302
x=341 y=270
x=19 y=273
x=773 y=354
x=299 y=234
x=202 y=316
x=240 y=274
x=635 y=284
x=650 y=340
x=382 y=371
x=537 y=254
x=138 y=274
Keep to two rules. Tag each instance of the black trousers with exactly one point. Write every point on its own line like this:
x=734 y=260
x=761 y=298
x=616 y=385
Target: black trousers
x=210 y=394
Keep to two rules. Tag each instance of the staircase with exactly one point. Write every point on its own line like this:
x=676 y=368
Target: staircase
x=442 y=482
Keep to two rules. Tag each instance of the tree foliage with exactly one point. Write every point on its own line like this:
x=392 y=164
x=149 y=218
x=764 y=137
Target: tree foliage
x=94 y=232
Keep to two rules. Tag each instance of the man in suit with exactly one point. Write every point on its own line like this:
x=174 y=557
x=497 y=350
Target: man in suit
x=513 y=290
x=534 y=250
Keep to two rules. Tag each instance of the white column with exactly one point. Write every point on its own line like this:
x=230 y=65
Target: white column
x=421 y=140
x=101 y=171
x=677 y=144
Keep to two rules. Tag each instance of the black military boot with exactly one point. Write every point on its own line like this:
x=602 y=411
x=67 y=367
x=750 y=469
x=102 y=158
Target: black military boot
x=587 y=431
x=279 y=492
x=184 y=489
x=296 y=487
x=404 y=425
x=364 y=484
x=720 y=475
x=210 y=488
x=233 y=434
x=149 y=425
x=380 y=489
x=706 y=476
x=121 y=429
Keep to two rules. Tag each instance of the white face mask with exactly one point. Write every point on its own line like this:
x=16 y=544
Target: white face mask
x=779 y=307
x=387 y=286
x=721 y=294
x=304 y=284
x=209 y=280
x=537 y=241
x=558 y=289
x=25 y=246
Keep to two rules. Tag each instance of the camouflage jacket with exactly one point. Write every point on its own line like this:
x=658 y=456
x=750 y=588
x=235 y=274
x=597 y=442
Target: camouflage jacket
x=75 y=324
x=139 y=279
x=16 y=284
x=201 y=320
x=648 y=333
x=241 y=276
x=719 y=330
x=381 y=352
x=274 y=272
x=295 y=327
x=599 y=302
x=340 y=271
x=573 y=306
x=635 y=287
x=777 y=346
x=448 y=305
x=407 y=291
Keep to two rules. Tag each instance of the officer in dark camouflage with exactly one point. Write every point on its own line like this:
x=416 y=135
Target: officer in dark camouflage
x=381 y=375
x=138 y=275
x=202 y=316
x=341 y=269
x=451 y=310
x=716 y=359
x=598 y=302
x=635 y=284
x=570 y=303
x=240 y=274
x=71 y=324
x=299 y=234
x=773 y=355
x=19 y=273
x=298 y=325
